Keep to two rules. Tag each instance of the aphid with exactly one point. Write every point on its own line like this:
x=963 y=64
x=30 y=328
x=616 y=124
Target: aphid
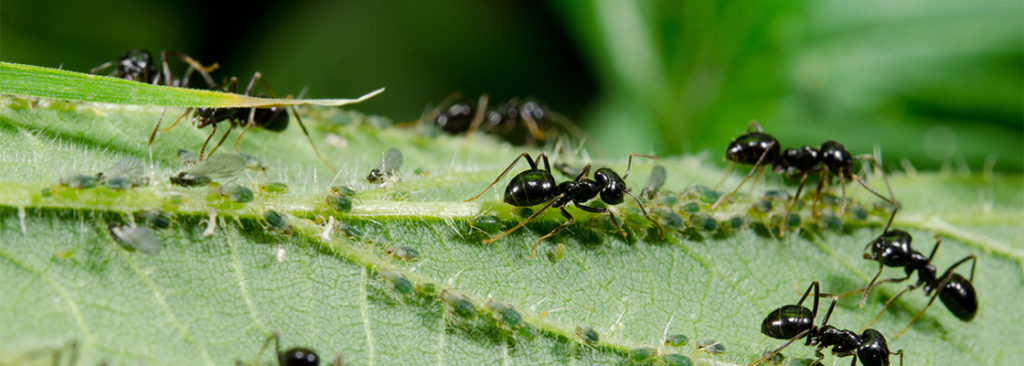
x=505 y=313
x=389 y=170
x=676 y=340
x=272 y=119
x=794 y=322
x=642 y=354
x=124 y=174
x=408 y=254
x=235 y=193
x=676 y=359
x=339 y=202
x=776 y=359
x=138 y=65
x=274 y=187
x=155 y=218
x=587 y=334
x=253 y=163
x=401 y=283
x=535 y=186
x=559 y=252
x=654 y=183
x=217 y=167
x=487 y=223
x=893 y=249
x=278 y=222
x=458 y=304
x=711 y=346
x=78 y=181
x=142 y=239
x=296 y=356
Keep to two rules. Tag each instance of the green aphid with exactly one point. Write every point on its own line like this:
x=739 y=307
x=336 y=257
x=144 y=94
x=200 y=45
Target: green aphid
x=504 y=313
x=559 y=253
x=706 y=194
x=350 y=230
x=675 y=221
x=236 y=193
x=670 y=200
x=426 y=288
x=344 y=191
x=691 y=208
x=528 y=332
x=339 y=202
x=487 y=223
x=705 y=223
x=407 y=254
x=278 y=222
x=274 y=187
x=47 y=192
x=587 y=334
x=401 y=283
x=79 y=181
x=793 y=220
x=676 y=340
x=859 y=212
x=141 y=239
x=711 y=346
x=459 y=304
x=776 y=195
x=155 y=218
x=832 y=222
x=737 y=222
x=253 y=163
x=422 y=172
x=218 y=167
x=676 y=359
x=642 y=354
x=763 y=206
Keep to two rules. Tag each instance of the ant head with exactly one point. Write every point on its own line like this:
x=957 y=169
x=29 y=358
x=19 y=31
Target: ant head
x=787 y=322
x=136 y=64
x=892 y=249
x=836 y=157
x=298 y=356
x=749 y=147
x=613 y=189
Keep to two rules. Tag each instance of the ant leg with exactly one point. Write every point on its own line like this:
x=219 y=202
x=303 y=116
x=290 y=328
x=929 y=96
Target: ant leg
x=891 y=201
x=101 y=67
x=864 y=298
x=854 y=362
x=661 y=232
x=757 y=167
x=814 y=285
x=478 y=119
x=584 y=173
x=277 y=348
x=886 y=306
x=817 y=193
x=187 y=110
x=153 y=135
x=203 y=70
x=726 y=176
x=252 y=115
x=832 y=307
x=602 y=210
x=340 y=359
x=203 y=149
x=534 y=216
x=533 y=165
x=785 y=218
x=556 y=231
x=900 y=353
x=531 y=125
x=221 y=141
x=777 y=350
x=842 y=201
x=629 y=162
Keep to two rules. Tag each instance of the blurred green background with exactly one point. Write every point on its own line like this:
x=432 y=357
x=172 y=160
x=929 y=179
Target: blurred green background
x=939 y=83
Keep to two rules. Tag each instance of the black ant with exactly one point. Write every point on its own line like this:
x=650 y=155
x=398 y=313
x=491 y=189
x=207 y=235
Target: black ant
x=137 y=65
x=760 y=149
x=296 y=356
x=796 y=321
x=893 y=249
x=535 y=186
x=272 y=119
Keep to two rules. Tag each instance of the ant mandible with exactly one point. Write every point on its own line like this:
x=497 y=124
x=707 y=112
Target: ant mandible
x=296 y=356
x=760 y=149
x=796 y=321
x=893 y=249
x=536 y=186
x=272 y=119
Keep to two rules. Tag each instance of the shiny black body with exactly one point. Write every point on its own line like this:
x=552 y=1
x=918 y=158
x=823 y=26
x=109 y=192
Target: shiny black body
x=136 y=65
x=537 y=186
x=139 y=65
x=893 y=249
x=753 y=147
x=795 y=162
x=296 y=356
x=516 y=120
x=456 y=118
x=793 y=322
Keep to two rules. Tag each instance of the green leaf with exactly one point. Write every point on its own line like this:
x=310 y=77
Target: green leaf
x=214 y=299
x=27 y=80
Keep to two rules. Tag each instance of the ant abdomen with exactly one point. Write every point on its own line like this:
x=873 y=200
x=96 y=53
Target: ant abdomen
x=787 y=322
x=749 y=148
